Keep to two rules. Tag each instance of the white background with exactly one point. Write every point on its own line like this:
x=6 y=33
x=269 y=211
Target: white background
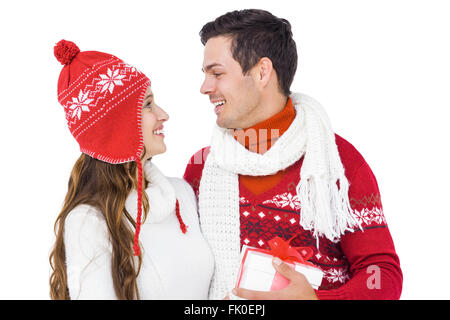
x=380 y=68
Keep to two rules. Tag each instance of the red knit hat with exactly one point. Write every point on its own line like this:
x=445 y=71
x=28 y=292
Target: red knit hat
x=102 y=98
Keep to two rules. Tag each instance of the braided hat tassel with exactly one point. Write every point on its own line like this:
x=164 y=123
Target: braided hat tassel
x=137 y=251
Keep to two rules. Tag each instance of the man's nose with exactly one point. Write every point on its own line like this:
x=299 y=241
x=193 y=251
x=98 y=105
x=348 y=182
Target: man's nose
x=207 y=86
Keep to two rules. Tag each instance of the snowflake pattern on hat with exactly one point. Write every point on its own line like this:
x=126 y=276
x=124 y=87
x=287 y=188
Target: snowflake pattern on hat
x=110 y=79
x=95 y=93
x=80 y=104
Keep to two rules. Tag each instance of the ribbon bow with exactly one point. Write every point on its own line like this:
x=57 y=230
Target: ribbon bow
x=282 y=249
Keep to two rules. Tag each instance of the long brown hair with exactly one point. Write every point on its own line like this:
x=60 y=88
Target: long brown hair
x=106 y=187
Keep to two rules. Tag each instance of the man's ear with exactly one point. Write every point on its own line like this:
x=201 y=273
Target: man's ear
x=265 y=68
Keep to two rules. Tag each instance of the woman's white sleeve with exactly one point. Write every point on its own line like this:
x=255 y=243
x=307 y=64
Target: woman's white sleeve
x=88 y=256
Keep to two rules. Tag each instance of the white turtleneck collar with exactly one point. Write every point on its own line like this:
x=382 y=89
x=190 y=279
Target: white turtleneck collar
x=161 y=195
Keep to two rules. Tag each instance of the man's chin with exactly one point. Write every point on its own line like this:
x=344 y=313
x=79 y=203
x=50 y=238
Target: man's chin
x=221 y=122
x=225 y=123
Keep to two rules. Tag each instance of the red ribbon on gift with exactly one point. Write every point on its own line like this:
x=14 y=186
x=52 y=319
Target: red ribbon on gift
x=282 y=249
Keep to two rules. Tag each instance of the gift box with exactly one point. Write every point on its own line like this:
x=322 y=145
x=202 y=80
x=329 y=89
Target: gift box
x=256 y=271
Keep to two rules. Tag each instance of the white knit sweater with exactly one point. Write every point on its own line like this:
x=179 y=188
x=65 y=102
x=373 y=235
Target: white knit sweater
x=174 y=266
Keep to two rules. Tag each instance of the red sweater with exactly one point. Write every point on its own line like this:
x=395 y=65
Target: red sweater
x=362 y=265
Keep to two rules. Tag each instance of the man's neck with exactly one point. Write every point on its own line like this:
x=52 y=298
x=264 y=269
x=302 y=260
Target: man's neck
x=270 y=105
x=261 y=136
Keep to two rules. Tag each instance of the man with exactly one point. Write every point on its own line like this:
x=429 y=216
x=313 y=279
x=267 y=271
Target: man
x=276 y=168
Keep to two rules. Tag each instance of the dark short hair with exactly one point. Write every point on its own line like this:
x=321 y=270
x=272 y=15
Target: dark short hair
x=256 y=34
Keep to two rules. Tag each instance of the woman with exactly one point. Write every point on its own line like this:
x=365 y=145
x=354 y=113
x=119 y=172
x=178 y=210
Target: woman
x=125 y=230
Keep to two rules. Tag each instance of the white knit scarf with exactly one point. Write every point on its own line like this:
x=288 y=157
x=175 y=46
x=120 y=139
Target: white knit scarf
x=325 y=208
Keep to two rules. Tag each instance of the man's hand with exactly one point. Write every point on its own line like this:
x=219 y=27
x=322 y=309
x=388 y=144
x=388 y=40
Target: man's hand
x=298 y=288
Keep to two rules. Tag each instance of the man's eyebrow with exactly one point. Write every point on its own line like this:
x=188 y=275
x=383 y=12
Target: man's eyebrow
x=148 y=96
x=210 y=66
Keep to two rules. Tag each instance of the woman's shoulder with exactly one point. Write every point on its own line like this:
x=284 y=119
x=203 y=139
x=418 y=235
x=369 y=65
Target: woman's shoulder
x=85 y=219
x=85 y=230
x=181 y=186
x=84 y=211
x=184 y=192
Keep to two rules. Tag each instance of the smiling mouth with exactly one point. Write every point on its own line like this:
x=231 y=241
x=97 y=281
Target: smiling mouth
x=218 y=106
x=159 y=132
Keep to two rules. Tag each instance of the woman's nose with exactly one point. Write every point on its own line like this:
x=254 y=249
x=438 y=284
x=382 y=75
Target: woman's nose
x=162 y=115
